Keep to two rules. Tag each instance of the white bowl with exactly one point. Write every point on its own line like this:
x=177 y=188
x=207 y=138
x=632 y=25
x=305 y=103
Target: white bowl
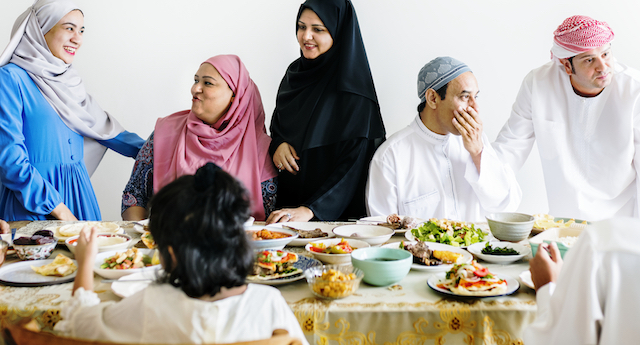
x=276 y=244
x=476 y=250
x=375 y=235
x=116 y=274
x=335 y=259
x=71 y=243
x=301 y=242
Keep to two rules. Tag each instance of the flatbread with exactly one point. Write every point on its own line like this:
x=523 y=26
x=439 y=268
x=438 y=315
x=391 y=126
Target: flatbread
x=74 y=229
x=61 y=266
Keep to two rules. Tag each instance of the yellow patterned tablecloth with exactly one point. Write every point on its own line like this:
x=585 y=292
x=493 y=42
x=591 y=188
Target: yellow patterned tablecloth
x=414 y=315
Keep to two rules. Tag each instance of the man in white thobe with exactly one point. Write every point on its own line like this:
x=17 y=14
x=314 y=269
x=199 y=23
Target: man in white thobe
x=442 y=164
x=595 y=299
x=583 y=109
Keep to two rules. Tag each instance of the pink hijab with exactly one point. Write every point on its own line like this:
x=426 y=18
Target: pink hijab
x=183 y=143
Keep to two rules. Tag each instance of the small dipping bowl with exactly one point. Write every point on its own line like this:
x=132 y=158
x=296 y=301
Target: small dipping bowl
x=382 y=266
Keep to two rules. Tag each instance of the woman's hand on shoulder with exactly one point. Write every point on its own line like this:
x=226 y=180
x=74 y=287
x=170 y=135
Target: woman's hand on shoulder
x=300 y=214
x=285 y=158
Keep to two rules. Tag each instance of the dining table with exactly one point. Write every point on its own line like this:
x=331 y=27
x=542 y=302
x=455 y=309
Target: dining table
x=409 y=312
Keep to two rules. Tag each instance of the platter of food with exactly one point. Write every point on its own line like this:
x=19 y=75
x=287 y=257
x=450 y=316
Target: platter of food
x=398 y=223
x=39 y=273
x=545 y=221
x=269 y=237
x=472 y=280
x=63 y=232
x=277 y=267
x=307 y=231
x=113 y=265
x=130 y=284
x=335 y=251
x=432 y=257
x=525 y=278
x=449 y=232
x=141 y=226
x=499 y=252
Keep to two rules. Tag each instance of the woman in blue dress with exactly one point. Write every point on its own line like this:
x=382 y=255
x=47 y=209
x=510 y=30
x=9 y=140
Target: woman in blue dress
x=52 y=133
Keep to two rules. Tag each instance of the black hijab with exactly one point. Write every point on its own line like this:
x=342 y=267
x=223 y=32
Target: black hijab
x=331 y=98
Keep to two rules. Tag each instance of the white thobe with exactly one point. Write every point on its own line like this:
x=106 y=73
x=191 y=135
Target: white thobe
x=588 y=146
x=596 y=298
x=419 y=173
x=164 y=314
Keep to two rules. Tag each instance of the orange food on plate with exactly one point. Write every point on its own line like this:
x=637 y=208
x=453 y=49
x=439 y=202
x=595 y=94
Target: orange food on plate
x=265 y=234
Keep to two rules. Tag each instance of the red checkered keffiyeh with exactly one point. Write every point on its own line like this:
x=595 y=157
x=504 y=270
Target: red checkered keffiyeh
x=579 y=34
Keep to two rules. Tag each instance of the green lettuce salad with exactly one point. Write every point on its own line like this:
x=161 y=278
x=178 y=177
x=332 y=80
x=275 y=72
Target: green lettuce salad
x=454 y=233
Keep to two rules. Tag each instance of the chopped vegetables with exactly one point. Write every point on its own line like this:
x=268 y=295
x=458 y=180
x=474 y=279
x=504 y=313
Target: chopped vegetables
x=341 y=248
x=449 y=232
x=132 y=258
x=489 y=249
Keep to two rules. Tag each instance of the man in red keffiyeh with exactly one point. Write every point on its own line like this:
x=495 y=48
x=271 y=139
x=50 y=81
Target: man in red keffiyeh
x=583 y=108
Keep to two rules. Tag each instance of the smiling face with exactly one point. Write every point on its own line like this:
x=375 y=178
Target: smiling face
x=211 y=94
x=462 y=93
x=65 y=38
x=313 y=36
x=591 y=71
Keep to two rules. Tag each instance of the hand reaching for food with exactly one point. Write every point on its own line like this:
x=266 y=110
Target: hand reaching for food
x=285 y=158
x=300 y=214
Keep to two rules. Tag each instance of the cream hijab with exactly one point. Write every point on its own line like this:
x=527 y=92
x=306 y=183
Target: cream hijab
x=59 y=82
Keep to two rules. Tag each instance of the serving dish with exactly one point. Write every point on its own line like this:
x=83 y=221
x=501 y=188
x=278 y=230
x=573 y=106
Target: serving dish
x=20 y=274
x=277 y=243
x=487 y=237
x=130 y=284
x=301 y=242
x=74 y=229
x=435 y=246
x=115 y=273
x=375 y=235
x=434 y=280
x=380 y=220
x=71 y=243
x=577 y=223
x=476 y=250
x=332 y=289
x=552 y=235
x=525 y=277
x=510 y=226
x=140 y=226
x=335 y=259
x=303 y=263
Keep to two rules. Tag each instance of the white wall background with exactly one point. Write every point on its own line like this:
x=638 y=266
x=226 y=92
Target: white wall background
x=139 y=57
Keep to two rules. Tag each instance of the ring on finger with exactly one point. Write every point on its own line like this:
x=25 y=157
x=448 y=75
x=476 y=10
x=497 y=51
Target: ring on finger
x=288 y=215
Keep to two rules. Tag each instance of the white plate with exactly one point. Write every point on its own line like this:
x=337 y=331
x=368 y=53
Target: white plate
x=525 y=278
x=487 y=237
x=124 y=289
x=109 y=227
x=383 y=219
x=435 y=246
x=301 y=242
x=512 y=285
x=335 y=259
x=303 y=263
x=476 y=250
x=139 y=225
x=21 y=274
x=116 y=274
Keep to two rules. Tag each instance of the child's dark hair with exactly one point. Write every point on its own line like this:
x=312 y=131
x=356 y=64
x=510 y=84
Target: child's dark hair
x=201 y=218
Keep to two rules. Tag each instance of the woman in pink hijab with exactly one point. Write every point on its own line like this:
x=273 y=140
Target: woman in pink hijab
x=225 y=126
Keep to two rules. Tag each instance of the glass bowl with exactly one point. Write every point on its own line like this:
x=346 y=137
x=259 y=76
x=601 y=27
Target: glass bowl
x=333 y=281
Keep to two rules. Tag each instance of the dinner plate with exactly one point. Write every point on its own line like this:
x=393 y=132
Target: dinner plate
x=301 y=242
x=131 y=284
x=487 y=237
x=512 y=285
x=21 y=274
x=275 y=244
x=115 y=273
x=476 y=250
x=525 y=277
x=109 y=227
x=303 y=263
x=383 y=219
x=139 y=226
x=435 y=246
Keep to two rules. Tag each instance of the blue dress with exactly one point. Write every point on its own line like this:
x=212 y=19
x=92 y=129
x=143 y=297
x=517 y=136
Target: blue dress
x=41 y=159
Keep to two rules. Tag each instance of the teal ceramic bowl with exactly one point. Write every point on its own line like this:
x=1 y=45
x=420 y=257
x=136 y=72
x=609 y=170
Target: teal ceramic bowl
x=382 y=266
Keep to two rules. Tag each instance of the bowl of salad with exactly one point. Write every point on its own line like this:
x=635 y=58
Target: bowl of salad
x=115 y=264
x=335 y=251
x=445 y=231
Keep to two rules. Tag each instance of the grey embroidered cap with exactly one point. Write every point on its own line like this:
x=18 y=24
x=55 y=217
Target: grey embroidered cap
x=438 y=72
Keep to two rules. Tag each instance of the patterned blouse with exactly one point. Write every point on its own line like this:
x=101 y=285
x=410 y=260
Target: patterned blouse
x=139 y=189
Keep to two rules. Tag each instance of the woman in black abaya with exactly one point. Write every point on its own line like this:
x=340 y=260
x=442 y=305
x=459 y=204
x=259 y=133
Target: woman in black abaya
x=327 y=122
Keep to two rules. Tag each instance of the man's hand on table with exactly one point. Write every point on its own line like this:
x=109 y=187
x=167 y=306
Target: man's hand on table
x=545 y=266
